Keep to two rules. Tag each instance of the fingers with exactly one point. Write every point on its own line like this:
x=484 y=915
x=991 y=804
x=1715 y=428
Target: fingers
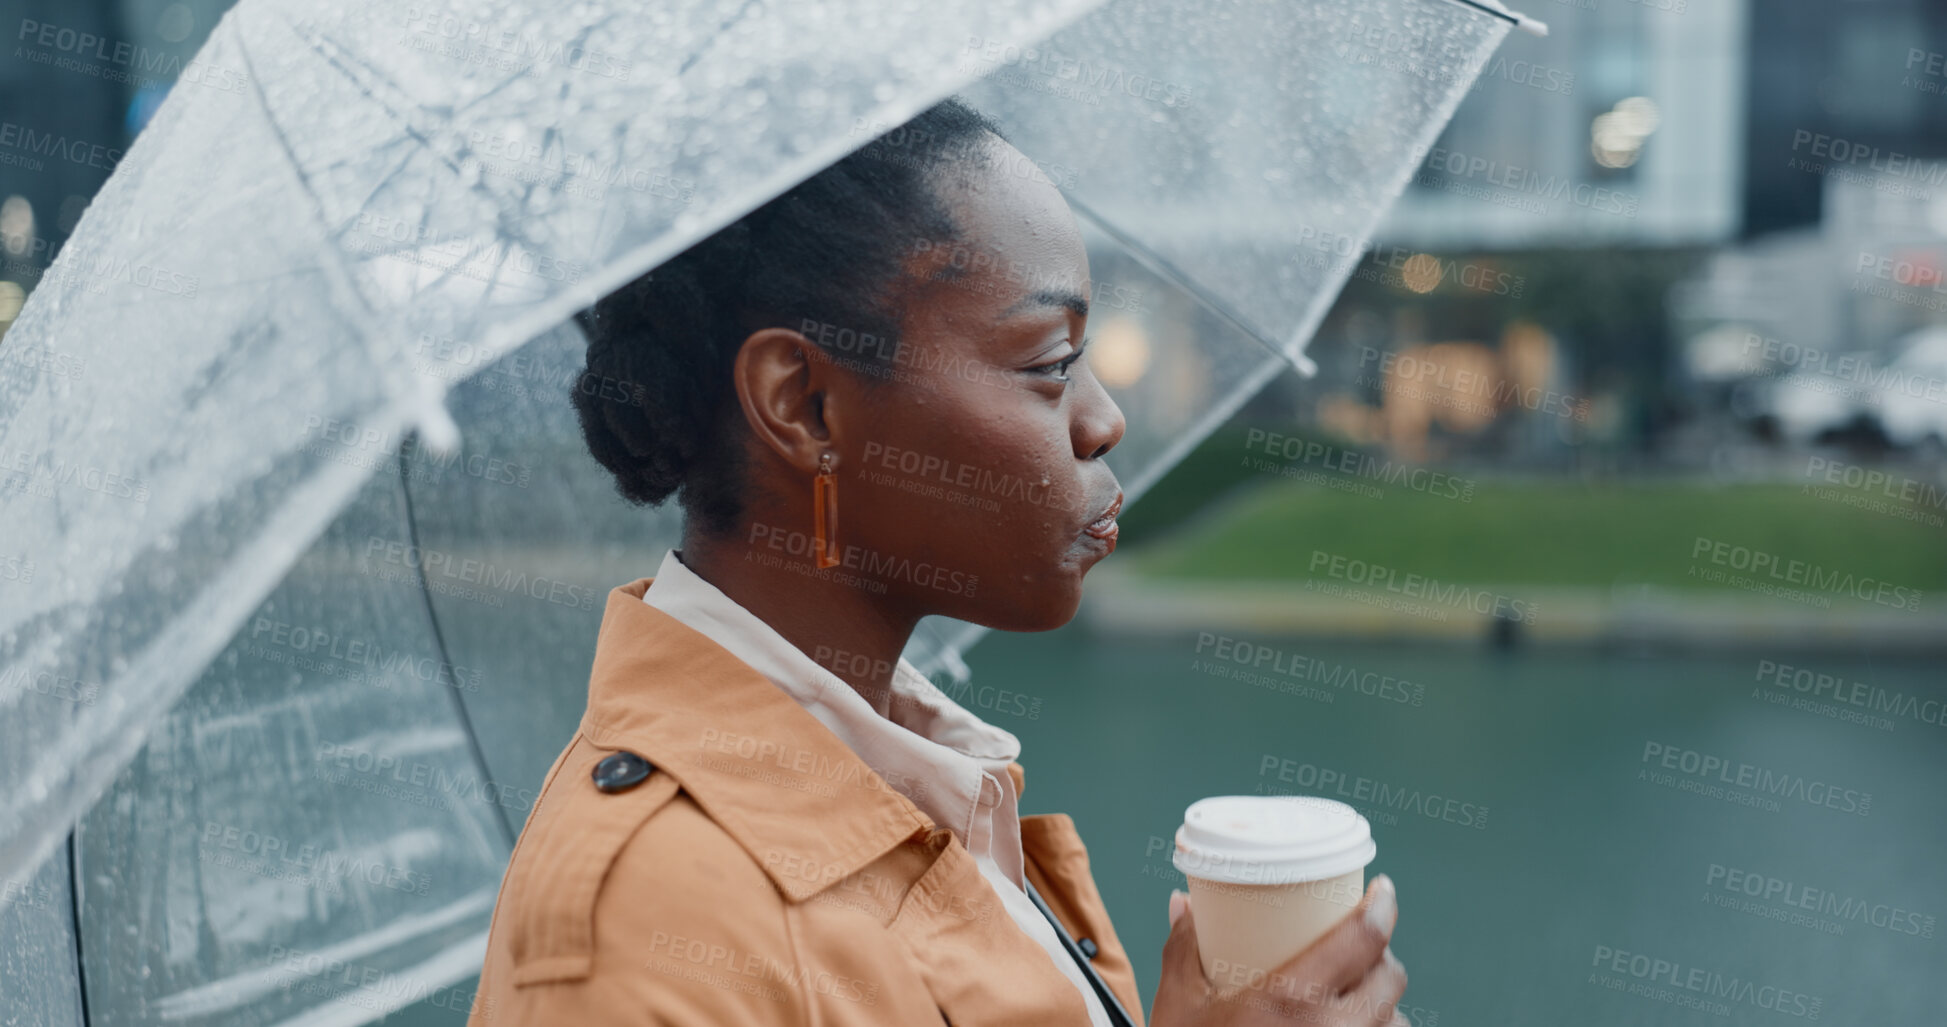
x=1183 y=993
x=1180 y=954
x=1342 y=957
x=1348 y=976
x=1376 y=999
x=1181 y=957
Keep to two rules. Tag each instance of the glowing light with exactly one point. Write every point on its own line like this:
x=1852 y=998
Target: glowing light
x=175 y=23
x=1638 y=114
x=1616 y=136
x=11 y=298
x=1421 y=272
x=1119 y=353
x=16 y=225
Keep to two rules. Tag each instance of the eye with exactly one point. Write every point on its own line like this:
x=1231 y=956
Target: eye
x=1058 y=370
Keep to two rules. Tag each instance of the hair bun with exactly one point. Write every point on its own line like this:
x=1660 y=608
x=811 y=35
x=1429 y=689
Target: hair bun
x=655 y=398
x=645 y=401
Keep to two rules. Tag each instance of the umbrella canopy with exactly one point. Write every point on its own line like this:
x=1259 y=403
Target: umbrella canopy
x=384 y=635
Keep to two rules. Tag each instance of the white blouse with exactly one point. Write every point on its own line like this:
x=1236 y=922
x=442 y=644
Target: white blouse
x=950 y=763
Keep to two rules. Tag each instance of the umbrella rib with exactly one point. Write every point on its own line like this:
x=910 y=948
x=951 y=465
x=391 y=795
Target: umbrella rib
x=1163 y=267
x=439 y=640
x=1483 y=8
x=404 y=161
x=74 y=910
x=367 y=76
x=588 y=30
x=735 y=17
x=333 y=267
x=353 y=68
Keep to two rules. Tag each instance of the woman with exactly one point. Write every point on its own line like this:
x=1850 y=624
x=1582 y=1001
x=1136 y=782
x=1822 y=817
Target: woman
x=768 y=816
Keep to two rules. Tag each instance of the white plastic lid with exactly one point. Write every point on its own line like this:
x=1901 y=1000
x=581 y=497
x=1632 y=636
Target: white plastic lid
x=1271 y=839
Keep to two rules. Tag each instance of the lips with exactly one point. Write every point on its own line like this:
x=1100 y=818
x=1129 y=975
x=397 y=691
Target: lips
x=1105 y=525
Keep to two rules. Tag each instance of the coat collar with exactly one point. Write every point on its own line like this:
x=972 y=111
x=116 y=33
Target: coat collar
x=805 y=807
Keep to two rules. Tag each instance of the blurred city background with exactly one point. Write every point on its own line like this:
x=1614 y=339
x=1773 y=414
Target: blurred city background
x=1628 y=438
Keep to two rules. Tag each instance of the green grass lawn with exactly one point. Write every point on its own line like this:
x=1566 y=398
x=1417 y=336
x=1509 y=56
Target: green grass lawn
x=1543 y=533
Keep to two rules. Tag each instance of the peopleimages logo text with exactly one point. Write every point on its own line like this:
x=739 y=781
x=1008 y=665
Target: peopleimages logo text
x=1819 y=685
x=1704 y=983
x=441 y=569
x=1836 y=150
x=1360 y=465
x=1823 y=901
x=1378 y=795
x=1517 y=180
x=1798 y=572
x=1417 y=586
x=1703 y=766
x=1495 y=391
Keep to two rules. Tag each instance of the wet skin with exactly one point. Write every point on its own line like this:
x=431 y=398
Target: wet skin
x=976 y=405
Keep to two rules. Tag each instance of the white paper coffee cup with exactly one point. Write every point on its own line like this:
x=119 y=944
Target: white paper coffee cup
x=1268 y=874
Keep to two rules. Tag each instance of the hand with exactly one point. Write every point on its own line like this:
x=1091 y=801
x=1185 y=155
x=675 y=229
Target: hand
x=1347 y=978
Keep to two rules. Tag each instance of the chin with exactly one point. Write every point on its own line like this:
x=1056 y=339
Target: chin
x=1048 y=598
x=1043 y=611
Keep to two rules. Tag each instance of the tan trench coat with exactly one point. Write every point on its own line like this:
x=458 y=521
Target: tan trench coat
x=762 y=873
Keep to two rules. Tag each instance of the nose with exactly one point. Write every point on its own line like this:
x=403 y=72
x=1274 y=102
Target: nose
x=1098 y=424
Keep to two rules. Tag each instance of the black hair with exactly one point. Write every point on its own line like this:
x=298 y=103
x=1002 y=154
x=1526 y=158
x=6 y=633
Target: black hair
x=655 y=401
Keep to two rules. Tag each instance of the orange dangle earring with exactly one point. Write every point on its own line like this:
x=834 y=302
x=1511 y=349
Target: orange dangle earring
x=824 y=512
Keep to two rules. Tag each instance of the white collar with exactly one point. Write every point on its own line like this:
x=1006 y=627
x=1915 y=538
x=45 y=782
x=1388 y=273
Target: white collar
x=934 y=750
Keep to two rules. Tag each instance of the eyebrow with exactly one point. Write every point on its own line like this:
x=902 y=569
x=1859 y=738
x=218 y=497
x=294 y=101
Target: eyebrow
x=1071 y=301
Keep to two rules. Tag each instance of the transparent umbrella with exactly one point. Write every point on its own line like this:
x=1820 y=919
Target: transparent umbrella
x=303 y=590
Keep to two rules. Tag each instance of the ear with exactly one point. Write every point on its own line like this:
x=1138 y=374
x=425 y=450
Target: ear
x=782 y=381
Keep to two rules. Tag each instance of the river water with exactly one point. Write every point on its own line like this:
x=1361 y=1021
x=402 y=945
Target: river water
x=1577 y=836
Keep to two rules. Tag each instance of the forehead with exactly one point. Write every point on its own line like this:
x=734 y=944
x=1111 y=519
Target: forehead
x=1017 y=238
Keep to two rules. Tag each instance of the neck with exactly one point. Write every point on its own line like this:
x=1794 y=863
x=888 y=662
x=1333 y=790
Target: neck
x=846 y=630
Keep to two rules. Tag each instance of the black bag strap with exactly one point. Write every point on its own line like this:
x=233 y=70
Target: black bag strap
x=1117 y=1015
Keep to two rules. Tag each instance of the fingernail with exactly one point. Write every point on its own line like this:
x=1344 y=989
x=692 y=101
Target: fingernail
x=1385 y=907
x=1179 y=901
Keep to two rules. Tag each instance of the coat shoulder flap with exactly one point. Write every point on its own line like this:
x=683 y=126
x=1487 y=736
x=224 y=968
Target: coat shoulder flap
x=596 y=801
x=1057 y=863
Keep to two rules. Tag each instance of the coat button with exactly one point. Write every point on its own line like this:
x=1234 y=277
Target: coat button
x=1088 y=947
x=621 y=771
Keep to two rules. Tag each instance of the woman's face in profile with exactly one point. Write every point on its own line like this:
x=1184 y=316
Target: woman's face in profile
x=981 y=458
